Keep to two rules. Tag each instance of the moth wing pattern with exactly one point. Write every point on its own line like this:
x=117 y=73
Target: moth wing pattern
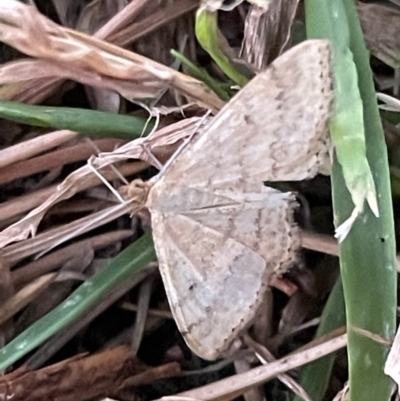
x=216 y=262
x=274 y=129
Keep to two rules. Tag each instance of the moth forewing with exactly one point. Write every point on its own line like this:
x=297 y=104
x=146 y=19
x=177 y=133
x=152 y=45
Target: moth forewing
x=208 y=286
x=274 y=129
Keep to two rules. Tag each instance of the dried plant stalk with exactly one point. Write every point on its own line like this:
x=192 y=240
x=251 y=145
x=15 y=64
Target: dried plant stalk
x=158 y=143
x=74 y=55
x=381 y=28
x=267 y=31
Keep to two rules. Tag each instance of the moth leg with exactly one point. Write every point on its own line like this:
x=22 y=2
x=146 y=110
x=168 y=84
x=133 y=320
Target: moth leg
x=151 y=156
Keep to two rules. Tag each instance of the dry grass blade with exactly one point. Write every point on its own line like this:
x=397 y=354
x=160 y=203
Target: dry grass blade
x=34 y=146
x=32 y=91
x=325 y=244
x=156 y=20
x=92 y=61
x=94 y=15
x=47 y=197
x=242 y=365
x=54 y=260
x=67 y=155
x=15 y=207
x=232 y=387
x=267 y=31
x=83 y=178
x=56 y=236
x=162 y=144
x=24 y=297
x=144 y=297
x=319 y=242
x=36 y=89
x=381 y=28
x=122 y=19
x=266 y=357
x=392 y=366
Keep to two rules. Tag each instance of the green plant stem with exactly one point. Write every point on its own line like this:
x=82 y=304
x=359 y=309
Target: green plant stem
x=316 y=375
x=201 y=75
x=215 y=44
x=92 y=122
x=367 y=255
x=119 y=269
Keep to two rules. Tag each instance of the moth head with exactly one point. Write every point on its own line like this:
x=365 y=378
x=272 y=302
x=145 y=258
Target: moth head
x=136 y=193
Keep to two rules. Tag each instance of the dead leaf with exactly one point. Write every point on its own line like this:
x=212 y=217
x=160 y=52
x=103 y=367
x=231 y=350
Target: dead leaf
x=267 y=31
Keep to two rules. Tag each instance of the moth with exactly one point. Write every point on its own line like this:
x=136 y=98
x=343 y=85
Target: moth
x=220 y=234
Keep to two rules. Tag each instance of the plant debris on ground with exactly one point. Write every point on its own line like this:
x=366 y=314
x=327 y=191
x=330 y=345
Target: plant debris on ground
x=97 y=93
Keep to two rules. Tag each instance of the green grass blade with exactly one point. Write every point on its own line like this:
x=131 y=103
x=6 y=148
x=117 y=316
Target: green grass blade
x=202 y=75
x=367 y=256
x=92 y=122
x=392 y=117
x=215 y=44
x=119 y=269
x=347 y=123
x=315 y=376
